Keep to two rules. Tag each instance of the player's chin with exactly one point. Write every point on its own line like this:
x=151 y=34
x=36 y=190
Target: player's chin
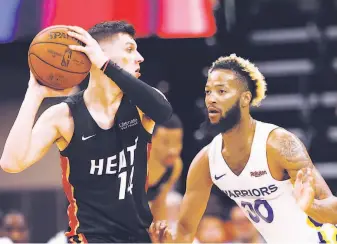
x=137 y=74
x=168 y=163
x=214 y=118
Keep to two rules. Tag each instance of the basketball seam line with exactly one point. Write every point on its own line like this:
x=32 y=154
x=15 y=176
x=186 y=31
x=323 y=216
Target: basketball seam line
x=54 y=43
x=57 y=67
x=49 y=28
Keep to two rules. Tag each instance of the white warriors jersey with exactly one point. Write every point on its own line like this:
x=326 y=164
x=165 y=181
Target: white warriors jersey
x=268 y=203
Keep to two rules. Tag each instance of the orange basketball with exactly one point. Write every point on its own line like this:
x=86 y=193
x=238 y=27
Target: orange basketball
x=53 y=63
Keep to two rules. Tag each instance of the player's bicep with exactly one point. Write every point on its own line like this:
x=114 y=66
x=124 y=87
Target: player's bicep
x=293 y=156
x=44 y=134
x=198 y=188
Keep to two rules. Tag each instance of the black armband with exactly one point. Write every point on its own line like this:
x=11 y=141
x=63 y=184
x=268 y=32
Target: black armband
x=145 y=97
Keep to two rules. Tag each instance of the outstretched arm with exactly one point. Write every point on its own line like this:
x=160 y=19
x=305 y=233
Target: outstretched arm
x=26 y=144
x=198 y=188
x=293 y=157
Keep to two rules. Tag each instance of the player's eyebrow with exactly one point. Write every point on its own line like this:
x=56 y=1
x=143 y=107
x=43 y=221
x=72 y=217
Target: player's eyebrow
x=216 y=85
x=131 y=43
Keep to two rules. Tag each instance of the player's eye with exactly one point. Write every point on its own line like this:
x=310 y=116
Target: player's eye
x=129 y=49
x=207 y=92
x=222 y=91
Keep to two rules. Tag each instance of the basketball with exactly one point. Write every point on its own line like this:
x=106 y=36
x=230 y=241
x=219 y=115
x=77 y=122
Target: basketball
x=53 y=63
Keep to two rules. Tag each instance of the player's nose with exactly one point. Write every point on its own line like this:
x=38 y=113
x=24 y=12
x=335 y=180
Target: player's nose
x=139 y=58
x=210 y=99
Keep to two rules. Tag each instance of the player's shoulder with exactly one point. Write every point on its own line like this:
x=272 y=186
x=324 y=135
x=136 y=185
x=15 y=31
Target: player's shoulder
x=282 y=143
x=59 y=110
x=279 y=136
x=199 y=169
x=201 y=159
x=58 y=115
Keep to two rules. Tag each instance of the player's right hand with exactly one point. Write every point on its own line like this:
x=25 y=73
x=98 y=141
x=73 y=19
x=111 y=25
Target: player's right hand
x=304 y=189
x=44 y=91
x=160 y=233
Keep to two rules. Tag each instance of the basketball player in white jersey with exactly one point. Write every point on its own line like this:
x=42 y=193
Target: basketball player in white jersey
x=265 y=169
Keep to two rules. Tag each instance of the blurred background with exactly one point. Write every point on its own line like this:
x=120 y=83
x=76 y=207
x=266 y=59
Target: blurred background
x=293 y=42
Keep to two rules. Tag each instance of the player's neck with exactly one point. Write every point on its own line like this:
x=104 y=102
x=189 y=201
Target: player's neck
x=238 y=137
x=102 y=90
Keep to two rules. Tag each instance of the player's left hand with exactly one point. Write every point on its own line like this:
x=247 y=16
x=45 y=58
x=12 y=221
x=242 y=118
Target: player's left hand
x=160 y=233
x=91 y=48
x=304 y=189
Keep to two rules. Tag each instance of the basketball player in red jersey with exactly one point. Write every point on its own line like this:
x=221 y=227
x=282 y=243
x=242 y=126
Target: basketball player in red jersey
x=103 y=134
x=265 y=169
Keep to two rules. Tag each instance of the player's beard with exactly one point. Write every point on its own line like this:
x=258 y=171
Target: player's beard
x=229 y=121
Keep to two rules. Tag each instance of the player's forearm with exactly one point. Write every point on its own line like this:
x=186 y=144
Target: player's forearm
x=324 y=211
x=150 y=101
x=159 y=211
x=183 y=234
x=18 y=141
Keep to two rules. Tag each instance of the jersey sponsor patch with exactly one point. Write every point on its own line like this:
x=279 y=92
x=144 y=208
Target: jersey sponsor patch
x=258 y=173
x=127 y=124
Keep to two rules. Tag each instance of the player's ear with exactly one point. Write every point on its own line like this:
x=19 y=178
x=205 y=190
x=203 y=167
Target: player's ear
x=245 y=99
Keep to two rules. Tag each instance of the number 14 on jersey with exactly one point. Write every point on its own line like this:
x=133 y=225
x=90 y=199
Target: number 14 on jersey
x=123 y=181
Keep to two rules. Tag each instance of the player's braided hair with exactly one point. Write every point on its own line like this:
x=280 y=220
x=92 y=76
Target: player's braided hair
x=246 y=71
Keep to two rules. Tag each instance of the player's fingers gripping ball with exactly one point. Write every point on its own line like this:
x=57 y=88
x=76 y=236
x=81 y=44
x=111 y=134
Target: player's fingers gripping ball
x=53 y=63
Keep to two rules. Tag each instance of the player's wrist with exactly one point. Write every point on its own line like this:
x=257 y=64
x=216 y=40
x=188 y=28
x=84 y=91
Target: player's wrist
x=102 y=62
x=103 y=67
x=34 y=96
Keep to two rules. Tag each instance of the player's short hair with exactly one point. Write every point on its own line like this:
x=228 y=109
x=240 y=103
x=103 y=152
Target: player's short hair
x=246 y=71
x=107 y=29
x=173 y=123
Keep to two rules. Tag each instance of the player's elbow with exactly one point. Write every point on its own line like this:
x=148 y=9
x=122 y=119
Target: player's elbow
x=10 y=166
x=165 y=113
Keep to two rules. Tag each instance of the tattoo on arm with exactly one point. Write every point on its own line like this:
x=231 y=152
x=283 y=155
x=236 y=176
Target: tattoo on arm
x=295 y=153
x=293 y=150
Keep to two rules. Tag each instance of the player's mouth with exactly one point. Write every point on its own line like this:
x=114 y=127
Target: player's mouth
x=213 y=112
x=137 y=72
x=170 y=159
